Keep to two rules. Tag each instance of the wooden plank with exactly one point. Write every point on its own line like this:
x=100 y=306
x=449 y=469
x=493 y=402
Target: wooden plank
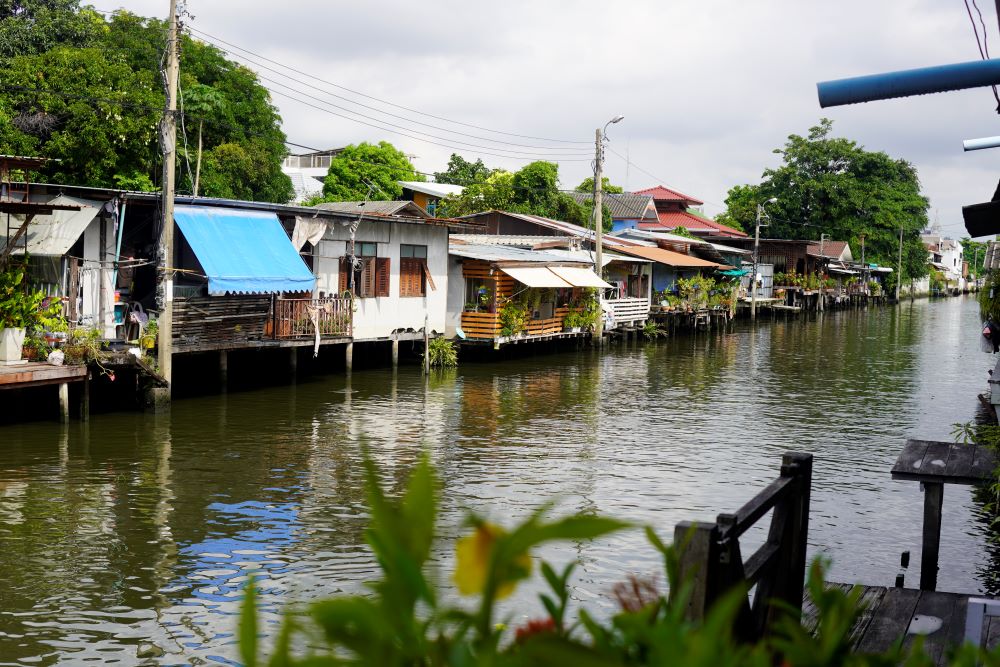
x=870 y=600
x=911 y=459
x=984 y=463
x=932 y=608
x=890 y=620
x=960 y=460
x=936 y=458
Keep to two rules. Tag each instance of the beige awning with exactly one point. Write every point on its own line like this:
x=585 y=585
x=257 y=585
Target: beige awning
x=579 y=277
x=534 y=276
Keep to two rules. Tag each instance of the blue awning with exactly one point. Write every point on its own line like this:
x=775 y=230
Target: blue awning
x=245 y=252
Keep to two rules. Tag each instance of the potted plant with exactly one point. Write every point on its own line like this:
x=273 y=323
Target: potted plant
x=20 y=309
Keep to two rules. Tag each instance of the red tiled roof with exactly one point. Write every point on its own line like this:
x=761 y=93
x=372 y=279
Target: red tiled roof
x=669 y=220
x=666 y=194
x=830 y=248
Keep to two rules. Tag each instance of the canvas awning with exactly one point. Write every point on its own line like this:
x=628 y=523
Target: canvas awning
x=579 y=276
x=242 y=251
x=52 y=235
x=534 y=276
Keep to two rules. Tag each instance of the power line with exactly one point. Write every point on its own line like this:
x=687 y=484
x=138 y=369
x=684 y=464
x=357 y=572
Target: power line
x=392 y=104
x=371 y=122
x=654 y=176
x=376 y=109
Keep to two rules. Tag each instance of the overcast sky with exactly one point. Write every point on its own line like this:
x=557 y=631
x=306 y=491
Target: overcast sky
x=708 y=88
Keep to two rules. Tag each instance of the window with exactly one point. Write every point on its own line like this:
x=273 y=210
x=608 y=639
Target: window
x=478 y=295
x=371 y=273
x=413 y=273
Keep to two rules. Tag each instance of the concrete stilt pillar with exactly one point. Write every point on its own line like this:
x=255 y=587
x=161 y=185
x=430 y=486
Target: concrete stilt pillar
x=395 y=352
x=64 y=401
x=224 y=370
x=349 y=357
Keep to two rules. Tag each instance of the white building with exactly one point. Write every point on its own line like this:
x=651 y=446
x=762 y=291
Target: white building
x=946 y=255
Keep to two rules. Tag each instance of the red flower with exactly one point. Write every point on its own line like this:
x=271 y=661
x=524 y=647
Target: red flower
x=535 y=626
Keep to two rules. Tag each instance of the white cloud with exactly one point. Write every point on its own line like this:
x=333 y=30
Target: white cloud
x=708 y=87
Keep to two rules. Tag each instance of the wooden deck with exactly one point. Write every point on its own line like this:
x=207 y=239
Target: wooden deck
x=893 y=613
x=37 y=374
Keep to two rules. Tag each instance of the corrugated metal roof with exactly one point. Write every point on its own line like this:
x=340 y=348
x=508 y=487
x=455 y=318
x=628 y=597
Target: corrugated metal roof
x=625 y=205
x=402 y=207
x=567 y=228
x=657 y=235
x=432 y=189
x=671 y=258
x=498 y=253
x=663 y=193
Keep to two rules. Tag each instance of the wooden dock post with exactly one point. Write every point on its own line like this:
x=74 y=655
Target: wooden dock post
x=85 y=399
x=223 y=371
x=64 y=401
x=933 y=501
x=349 y=357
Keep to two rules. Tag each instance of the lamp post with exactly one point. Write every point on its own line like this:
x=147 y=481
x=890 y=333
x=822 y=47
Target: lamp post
x=599 y=210
x=756 y=248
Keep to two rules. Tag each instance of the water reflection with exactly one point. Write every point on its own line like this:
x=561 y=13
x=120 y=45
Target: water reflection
x=131 y=536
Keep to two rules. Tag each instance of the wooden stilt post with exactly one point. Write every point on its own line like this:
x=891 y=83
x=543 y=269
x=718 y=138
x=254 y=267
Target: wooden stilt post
x=224 y=371
x=933 y=499
x=395 y=352
x=85 y=399
x=293 y=362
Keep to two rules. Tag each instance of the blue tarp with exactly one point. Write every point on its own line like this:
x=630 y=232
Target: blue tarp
x=244 y=252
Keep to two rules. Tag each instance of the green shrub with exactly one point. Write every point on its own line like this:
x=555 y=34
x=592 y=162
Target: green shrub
x=404 y=620
x=513 y=318
x=443 y=353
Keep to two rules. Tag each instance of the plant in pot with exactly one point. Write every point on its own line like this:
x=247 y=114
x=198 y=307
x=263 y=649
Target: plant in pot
x=20 y=310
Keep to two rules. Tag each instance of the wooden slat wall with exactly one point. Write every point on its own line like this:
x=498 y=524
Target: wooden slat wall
x=212 y=322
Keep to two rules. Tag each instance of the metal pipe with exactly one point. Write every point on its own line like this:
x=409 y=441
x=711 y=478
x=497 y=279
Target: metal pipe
x=922 y=81
x=981 y=143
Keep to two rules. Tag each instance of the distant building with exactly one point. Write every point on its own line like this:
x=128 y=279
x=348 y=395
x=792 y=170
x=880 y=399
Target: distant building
x=627 y=209
x=308 y=171
x=945 y=255
x=427 y=195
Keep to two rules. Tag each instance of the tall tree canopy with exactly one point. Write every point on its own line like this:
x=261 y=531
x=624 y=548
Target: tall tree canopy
x=357 y=166
x=462 y=172
x=587 y=185
x=834 y=186
x=532 y=189
x=86 y=90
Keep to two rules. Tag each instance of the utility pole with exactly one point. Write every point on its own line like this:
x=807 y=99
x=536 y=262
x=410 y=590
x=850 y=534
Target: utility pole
x=975 y=262
x=756 y=249
x=599 y=217
x=899 y=263
x=168 y=140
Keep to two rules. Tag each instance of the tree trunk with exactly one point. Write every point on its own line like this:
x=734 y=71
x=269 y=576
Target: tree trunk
x=197 y=167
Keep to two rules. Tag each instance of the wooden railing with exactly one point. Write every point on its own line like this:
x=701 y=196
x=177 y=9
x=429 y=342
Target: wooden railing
x=219 y=322
x=294 y=318
x=712 y=564
x=629 y=309
x=487 y=325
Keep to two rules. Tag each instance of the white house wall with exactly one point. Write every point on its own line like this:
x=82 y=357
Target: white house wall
x=380 y=317
x=456 y=296
x=94 y=273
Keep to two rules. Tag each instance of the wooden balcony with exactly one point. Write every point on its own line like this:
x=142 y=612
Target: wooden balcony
x=299 y=318
x=486 y=326
x=628 y=310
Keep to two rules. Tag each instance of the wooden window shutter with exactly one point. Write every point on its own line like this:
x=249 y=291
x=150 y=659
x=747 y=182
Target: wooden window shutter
x=382 y=276
x=344 y=268
x=427 y=274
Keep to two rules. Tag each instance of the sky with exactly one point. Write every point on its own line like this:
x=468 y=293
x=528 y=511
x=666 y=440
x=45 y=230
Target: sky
x=708 y=88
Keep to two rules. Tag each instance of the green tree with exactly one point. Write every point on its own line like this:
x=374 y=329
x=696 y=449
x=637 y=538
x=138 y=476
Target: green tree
x=534 y=189
x=87 y=91
x=587 y=185
x=974 y=252
x=462 y=172
x=357 y=166
x=833 y=185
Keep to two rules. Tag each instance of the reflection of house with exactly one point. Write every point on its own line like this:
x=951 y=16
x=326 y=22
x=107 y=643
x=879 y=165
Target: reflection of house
x=427 y=195
x=674 y=210
x=490 y=283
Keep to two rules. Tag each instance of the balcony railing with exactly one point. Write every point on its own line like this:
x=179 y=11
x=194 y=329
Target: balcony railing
x=487 y=325
x=628 y=309
x=299 y=318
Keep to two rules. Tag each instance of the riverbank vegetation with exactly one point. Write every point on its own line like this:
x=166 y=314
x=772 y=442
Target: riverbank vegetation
x=406 y=621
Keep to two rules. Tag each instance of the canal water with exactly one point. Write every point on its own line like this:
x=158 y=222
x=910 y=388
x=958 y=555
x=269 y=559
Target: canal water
x=128 y=538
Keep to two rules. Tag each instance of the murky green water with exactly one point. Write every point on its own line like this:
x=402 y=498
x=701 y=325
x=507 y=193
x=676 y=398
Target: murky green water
x=132 y=535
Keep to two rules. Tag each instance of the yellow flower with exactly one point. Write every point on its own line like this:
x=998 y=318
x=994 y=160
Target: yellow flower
x=473 y=554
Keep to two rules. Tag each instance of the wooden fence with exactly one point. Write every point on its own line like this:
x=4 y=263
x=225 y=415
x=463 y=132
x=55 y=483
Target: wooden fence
x=293 y=318
x=629 y=310
x=219 y=322
x=712 y=562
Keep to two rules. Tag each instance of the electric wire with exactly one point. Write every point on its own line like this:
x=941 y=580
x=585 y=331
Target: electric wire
x=380 y=111
x=382 y=101
x=983 y=49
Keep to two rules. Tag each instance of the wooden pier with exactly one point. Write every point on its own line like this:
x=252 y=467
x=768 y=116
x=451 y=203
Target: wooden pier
x=711 y=560
x=39 y=374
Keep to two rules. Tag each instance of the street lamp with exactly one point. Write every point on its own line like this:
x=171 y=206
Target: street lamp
x=599 y=209
x=756 y=248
